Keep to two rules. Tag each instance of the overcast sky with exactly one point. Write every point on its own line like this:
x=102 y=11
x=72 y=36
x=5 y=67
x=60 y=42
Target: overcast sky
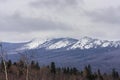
x=22 y=20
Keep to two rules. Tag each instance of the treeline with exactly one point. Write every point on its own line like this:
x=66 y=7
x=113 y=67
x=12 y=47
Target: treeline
x=20 y=71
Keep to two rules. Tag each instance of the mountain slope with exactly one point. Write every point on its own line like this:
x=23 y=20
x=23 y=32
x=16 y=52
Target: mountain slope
x=102 y=54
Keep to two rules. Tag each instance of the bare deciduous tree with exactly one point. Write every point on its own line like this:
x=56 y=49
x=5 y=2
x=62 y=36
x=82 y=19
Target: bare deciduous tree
x=3 y=57
x=26 y=57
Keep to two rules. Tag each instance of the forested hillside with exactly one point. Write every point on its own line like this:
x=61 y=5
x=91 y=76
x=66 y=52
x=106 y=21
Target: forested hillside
x=22 y=71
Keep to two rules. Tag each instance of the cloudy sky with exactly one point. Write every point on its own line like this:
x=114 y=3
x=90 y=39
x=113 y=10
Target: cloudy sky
x=22 y=20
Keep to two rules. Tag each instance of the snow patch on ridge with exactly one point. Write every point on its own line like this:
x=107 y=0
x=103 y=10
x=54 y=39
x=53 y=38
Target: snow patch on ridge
x=83 y=43
x=34 y=44
x=106 y=44
x=59 y=44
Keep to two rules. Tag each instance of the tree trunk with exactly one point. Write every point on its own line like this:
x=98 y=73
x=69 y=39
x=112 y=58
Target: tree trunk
x=5 y=70
x=2 y=55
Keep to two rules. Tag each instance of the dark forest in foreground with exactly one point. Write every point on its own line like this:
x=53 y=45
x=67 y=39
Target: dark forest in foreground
x=21 y=71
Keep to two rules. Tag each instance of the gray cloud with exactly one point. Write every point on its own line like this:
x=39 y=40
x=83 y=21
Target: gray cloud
x=108 y=16
x=17 y=23
x=71 y=18
x=3 y=0
x=56 y=3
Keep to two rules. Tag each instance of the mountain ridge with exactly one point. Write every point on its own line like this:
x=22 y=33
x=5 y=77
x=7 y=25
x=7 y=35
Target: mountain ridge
x=61 y=43
x=71 y=43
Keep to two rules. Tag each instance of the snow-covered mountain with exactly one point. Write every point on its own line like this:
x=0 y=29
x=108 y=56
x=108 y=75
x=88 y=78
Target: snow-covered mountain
x=65 y=44
x=70 y=52
x=69 y=43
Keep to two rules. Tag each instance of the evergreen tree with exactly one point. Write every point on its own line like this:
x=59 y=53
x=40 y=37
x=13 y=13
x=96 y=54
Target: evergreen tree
x=15 y=63
x=88 y=73
x=9 y=64
x=99 y=75
x=115 y=74
x=32 y=64
x=64 y=70
x=37 y=65
x=75 y=71
x=53 y=68
x=68 y=70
